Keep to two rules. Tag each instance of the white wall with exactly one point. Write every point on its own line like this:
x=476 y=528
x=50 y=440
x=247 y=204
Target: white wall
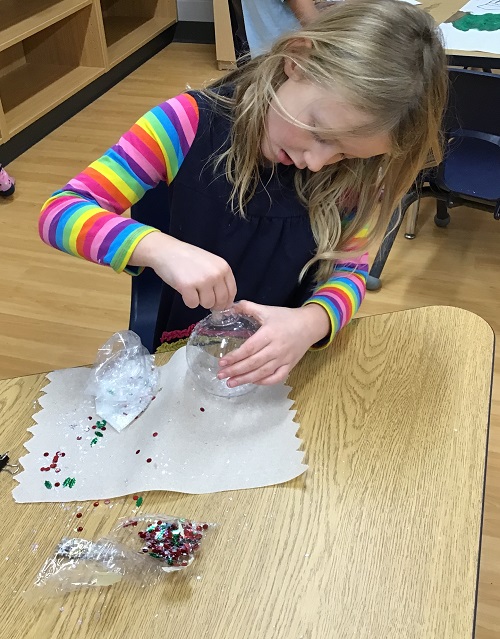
x=195 y=10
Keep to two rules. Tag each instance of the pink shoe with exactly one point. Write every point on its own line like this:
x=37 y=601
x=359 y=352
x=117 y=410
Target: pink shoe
x=6 y=183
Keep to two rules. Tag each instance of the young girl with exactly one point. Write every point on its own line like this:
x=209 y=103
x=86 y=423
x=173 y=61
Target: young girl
x=279 y=175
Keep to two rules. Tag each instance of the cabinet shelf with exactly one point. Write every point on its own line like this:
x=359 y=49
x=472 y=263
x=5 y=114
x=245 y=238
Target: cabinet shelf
x=20 y=20
x=33 y=90
x=51 y=49
x=126 y=34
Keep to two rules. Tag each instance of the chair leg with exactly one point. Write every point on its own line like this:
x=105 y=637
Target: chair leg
x=373 y=281
x=442 y=217
x=412 y=217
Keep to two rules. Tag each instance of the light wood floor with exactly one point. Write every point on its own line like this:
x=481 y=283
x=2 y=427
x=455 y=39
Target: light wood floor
x=55 y=310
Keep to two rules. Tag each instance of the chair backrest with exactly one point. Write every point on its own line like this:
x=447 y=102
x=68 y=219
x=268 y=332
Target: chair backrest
x=474 y=102
x=150 y=295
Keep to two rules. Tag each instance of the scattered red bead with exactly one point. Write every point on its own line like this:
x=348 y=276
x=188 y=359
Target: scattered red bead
x=46 y=454
x=96 y=503
x=57 y=484
x=149 y=460
x=90 y=418
x=78 y=515
x=202 y=409
x=155 y=434
x=94 y=427
x=137 y=452
x=53 y=465
x=135 y=497
x=62 y=454
x=58 y=470
x=106 y=501
x=78 y=438
x=79 y=529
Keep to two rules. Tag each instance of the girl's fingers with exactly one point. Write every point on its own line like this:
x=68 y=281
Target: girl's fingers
x=231 y=288
x=222 y=298
x=251 y=347
x=207 y=297
x=279 y=375
x=191 y=297
x=246 y=365
x=254 y=376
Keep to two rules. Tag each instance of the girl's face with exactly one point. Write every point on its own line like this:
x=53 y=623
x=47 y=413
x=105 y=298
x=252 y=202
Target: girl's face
x=288 y=143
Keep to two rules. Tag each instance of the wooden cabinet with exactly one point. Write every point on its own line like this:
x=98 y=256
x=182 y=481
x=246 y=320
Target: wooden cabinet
x=50 y=49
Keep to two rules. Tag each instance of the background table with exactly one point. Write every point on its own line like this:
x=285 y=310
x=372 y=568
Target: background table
x=379 y=539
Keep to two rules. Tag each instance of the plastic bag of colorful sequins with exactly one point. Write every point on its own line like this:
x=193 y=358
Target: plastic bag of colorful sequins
x=173 y=542
x=80 y=563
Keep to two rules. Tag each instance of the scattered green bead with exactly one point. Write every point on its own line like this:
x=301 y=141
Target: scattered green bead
x=99 y=434
x=139 y=502
x=48 y=484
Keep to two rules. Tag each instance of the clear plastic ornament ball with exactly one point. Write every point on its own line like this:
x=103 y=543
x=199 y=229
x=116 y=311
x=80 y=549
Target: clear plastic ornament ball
x=211 y=339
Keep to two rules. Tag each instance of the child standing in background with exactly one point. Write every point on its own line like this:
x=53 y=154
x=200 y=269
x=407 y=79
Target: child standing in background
x=279 y=176
x=266 y=20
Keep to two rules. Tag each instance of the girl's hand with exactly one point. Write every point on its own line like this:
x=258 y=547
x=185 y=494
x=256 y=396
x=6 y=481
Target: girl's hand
x=283 y=338
x=202 y=278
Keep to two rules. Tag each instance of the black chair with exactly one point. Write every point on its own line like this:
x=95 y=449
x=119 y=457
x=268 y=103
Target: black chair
x=149 y=292
x=470 y=172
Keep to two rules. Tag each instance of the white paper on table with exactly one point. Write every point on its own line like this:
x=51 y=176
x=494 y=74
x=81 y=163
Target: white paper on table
x=242 y=442
x=480 y=7
x=473 y=40
x=412 y=1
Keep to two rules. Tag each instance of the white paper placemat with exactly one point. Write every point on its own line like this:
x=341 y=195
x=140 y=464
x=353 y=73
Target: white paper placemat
x=186 y=441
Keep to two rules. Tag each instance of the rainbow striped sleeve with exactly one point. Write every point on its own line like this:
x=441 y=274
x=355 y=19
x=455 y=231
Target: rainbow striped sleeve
x=341 y=295
x=84 y=218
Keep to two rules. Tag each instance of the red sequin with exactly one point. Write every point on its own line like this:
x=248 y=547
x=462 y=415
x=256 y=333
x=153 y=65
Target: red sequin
x=90 y=418
x=149 y=460
x=202 y=409
x=155 y=434
x=46 y=454
x=137 y=452
x=57 y=484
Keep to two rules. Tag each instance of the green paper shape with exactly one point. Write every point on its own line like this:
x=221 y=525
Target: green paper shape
x=485 y=22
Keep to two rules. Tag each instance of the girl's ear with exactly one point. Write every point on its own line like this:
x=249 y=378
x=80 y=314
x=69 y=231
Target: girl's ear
x=290 y=67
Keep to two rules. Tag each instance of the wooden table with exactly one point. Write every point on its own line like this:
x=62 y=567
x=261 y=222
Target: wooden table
x=440 y=10
x=379 y=539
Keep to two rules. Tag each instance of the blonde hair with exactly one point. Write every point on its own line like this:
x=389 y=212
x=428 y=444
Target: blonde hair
x=387 y=59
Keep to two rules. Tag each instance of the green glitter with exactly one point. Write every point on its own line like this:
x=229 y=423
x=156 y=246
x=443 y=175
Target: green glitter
x=47 y=484
x=139 y=502
x=101 y=424
x=94 y=441
x=99 y=434
x=69 y=482
x=485 y=22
